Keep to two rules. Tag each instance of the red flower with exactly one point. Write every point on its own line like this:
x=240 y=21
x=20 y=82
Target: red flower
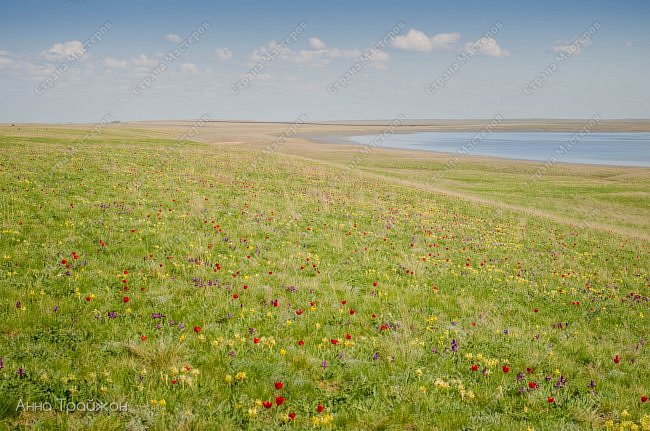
x=352 y=312
x=278 y=385
x=299 y=312
x=644 y=398
x=506 y=369
x=474 y=367
x=348 y=336
x=292 y=415
x=535 y=310
x=88 y=298
x=279 y=400
x=256 y=340
x=197 y=329
x=320 y=408
x=235 y=296
x=174 y=381
x=301 y=343
x=334 y=341
x=125 y=299
x=344 y=302
x=529 y=371
x=532 y=385
x=143 y=337
x=267 y=404
x=374 y=283
x=617 y=359
x=550 y=400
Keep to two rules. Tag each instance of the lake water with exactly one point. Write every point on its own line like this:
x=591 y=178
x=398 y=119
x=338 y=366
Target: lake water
x=623 y=149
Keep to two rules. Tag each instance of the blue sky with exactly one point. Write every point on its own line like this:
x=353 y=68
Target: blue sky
x=605 y=74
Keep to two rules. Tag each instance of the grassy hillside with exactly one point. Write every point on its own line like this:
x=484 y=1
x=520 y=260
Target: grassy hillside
x=194 y=284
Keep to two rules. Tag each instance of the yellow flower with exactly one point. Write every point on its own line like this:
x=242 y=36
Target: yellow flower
x=228 y=379
x=419 y=372
x=240 y=376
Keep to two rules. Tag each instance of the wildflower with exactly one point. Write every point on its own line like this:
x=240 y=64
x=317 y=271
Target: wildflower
x=228 y=378
x=550 y=400
x=279 y=385
x=320 y=408
x=279 y=400
x=240 y=376
x=644 y=398
x=506 y=369
x=267 y=404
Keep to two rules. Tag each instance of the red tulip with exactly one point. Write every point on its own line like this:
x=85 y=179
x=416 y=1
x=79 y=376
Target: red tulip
x=550 y=400
x=197 y=329
x=532 y=385
x=474 y=367
x=617 y=359
x=644 y=398
x=279 y=400
x=334 y=341
x=506 y=369
x=348 y=336
x=267 y=404
x=256 y=340
x=143 y=337
x=292 y=415
x=278 y=385
x=320 y=408
x=301 y=343
x=298 y=312
x=351 y=312
x=125 y=299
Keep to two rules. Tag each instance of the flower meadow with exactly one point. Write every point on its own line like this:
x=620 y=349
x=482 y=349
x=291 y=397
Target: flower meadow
x=193 y=292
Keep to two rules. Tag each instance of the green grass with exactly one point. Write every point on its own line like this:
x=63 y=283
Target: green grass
x=210 y=243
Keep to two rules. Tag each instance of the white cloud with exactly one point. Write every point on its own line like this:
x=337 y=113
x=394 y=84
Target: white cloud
x=416 y=40
x=486 y=46
x=445 y=40
x=189 y=69
x=316 y=43
x=60 y=51
x=569 y=47
x=144 y=61
x=5 y=62
x=113 y=63
x=223 y=54
x=173 y=38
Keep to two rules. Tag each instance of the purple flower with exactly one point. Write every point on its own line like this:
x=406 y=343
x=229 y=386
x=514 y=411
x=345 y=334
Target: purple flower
x=591 y=385
x=520 y=376
x=251 y=331
x=324 y=364
x=19 y=305
x=56 y=308
x=156 y=315
x=375 y=356
x=454 y=345
x=21 y=372
x=2 y=362
x=181 y=326
x=232 y=353
x=111 y=314
x=560 y=382
x=505 y=331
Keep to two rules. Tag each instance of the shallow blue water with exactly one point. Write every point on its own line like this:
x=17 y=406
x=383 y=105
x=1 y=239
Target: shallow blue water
x=623 y=149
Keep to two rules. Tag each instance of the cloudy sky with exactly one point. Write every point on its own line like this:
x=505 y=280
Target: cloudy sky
x=76 y=61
